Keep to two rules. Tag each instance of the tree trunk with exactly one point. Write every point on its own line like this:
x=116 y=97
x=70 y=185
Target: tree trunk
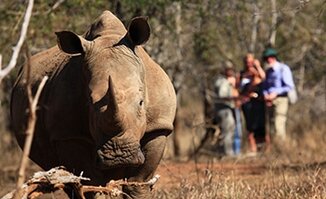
x=178 y=80
x=254 y=29
x=274 y=23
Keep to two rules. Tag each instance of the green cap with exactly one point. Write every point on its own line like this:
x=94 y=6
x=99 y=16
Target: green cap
x=269 y=52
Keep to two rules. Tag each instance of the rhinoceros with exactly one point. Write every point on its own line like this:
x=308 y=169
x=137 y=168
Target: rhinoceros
x=107 y=107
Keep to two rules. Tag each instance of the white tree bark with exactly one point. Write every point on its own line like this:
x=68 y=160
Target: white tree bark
x=274 y=23
x=6 y=70
x=254 y=29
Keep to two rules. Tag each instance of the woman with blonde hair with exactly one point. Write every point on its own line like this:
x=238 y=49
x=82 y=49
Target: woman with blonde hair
x=253 y=105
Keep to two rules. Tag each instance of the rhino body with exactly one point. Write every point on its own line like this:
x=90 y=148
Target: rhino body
x=107 y=107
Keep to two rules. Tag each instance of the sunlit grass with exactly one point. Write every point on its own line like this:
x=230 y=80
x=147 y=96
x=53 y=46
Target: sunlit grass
x=275 y=183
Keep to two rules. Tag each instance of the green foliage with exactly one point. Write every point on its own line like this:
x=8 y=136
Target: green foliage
x=203 y=50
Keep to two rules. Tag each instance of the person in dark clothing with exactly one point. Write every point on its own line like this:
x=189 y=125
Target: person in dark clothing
x=253 y=105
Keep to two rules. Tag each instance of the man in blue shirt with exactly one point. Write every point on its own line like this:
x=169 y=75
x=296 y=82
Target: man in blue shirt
x=278 y=83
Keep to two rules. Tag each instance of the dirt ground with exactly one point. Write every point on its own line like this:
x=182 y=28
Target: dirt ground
x=245 y=168
x=175 y=174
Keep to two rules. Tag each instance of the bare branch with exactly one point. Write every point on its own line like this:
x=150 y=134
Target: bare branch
x=0 y=62
x=29 y=133
x=113 y=187
x=55 y=6
x=16 y=49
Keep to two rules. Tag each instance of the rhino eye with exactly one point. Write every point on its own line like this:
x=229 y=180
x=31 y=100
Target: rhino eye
x=141 y=103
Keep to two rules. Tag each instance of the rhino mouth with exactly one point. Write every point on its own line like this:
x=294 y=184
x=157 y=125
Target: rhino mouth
x=114 y=155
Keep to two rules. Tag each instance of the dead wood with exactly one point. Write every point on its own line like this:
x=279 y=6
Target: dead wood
x=59 y=179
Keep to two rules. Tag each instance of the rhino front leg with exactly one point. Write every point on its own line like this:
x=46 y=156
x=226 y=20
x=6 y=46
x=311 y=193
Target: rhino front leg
x=153 y=147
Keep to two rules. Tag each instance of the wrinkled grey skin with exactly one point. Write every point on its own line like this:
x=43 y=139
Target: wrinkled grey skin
x=106 y=109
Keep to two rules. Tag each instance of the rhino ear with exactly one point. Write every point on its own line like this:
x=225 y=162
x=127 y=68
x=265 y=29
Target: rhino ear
x=71 y=43
x=139 y=30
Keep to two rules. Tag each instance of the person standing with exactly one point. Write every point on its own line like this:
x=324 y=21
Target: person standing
x=278 y=83
x=253 y=105
x=223 y=114
x=233 y=79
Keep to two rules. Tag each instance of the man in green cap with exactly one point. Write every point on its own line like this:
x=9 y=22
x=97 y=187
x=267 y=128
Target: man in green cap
x=278 y=83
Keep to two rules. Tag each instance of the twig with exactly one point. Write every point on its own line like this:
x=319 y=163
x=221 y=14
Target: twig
x=29 y=132
x=16 y=49
x=55 y=6
x=0 y=62
x=112 y=188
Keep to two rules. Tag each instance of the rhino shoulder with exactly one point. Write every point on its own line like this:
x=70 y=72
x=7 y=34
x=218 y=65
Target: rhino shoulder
x=161 y=106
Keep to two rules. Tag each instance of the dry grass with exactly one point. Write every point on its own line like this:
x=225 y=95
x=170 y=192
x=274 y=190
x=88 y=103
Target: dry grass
x=287 y=174
x=300 y=181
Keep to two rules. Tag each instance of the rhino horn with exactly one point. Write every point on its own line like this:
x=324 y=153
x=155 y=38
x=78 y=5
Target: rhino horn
x=111 y=98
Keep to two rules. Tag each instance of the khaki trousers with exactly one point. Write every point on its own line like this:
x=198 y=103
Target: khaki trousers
x=277 y=116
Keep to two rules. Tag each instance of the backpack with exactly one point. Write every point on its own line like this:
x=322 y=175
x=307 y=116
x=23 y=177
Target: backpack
x=292 y=94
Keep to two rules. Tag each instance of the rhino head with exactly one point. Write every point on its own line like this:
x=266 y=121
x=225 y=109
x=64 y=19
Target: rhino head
x=115 y=79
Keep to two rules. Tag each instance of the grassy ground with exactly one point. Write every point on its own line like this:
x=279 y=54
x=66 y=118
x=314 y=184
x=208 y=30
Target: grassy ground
x=251 y=178
x=277 y=175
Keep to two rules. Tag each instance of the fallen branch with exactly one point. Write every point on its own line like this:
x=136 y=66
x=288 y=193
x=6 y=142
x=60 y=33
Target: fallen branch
x=45 y=182
x=58 y=178
x=113 y=187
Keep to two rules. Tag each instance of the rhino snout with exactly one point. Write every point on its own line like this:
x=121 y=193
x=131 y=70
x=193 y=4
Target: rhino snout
x=111 y=155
